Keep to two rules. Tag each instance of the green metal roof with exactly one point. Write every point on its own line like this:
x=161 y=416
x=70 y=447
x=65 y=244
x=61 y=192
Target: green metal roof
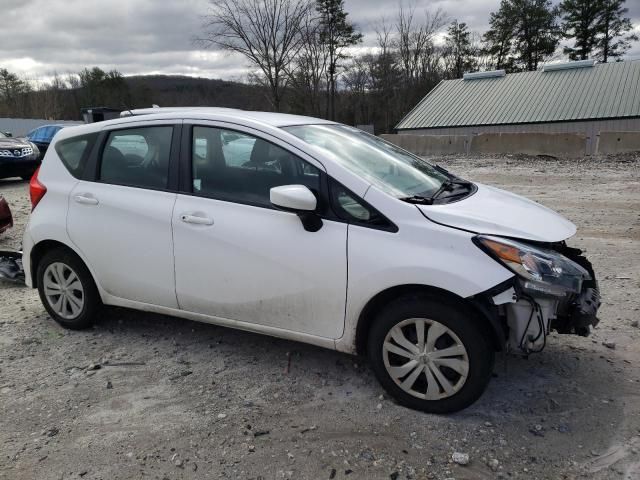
x=610 y=90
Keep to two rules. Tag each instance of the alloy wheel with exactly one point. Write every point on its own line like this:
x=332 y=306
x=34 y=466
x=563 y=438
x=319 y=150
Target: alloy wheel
x=63 y=290
x=425 y=358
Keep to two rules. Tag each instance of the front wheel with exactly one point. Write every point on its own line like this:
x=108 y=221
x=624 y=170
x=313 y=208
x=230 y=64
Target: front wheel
x=67 y=289
x=429 y=355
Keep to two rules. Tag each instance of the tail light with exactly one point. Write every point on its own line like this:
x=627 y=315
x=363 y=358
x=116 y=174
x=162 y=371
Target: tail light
x=36 y=190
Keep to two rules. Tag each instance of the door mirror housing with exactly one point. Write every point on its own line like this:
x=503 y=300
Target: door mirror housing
x=8 y=134
x=300 y=200
x=293 y=198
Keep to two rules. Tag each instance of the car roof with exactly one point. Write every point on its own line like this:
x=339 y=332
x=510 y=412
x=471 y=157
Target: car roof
x=192 y=113
x=270 y=118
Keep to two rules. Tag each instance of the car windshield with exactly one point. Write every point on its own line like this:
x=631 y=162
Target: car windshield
x=2 y=135
x=386 y=166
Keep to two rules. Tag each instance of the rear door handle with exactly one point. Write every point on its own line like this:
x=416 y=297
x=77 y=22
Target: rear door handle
x=197 y=220
x=86 y=199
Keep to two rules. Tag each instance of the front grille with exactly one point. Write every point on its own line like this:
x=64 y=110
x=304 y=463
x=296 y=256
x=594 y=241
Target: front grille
x=16 y=152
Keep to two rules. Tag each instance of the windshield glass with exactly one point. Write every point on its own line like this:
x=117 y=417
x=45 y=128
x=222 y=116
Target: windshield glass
x=386 y=166
x=2 y=135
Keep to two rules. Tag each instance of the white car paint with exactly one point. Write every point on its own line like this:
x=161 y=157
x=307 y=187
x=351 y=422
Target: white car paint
x=126 y=234
x=257 y=269
x=503 y=213
x=258 y=266
x=293 y=197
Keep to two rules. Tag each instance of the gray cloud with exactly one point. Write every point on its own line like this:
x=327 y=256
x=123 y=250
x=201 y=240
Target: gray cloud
x=40 y=37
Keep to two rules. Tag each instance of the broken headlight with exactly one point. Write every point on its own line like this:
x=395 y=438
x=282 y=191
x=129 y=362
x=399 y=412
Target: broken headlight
x=542 y=270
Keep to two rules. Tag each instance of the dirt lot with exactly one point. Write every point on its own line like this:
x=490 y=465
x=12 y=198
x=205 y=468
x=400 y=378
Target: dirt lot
x=146 y=396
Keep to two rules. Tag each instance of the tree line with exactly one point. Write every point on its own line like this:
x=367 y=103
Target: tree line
x=307 y=57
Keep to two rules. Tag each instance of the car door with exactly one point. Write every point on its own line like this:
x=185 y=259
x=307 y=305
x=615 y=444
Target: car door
x=239 y=258
x=120 y=216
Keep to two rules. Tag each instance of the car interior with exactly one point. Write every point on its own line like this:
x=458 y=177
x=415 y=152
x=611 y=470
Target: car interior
x=245 y=171
x=137 y=157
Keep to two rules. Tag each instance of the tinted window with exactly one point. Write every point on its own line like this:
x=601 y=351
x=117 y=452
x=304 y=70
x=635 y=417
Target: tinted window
x=137 y=157
x=37 y=134
x=74 y=152
x=51 y=132
x=47 y=134
x=241 y=168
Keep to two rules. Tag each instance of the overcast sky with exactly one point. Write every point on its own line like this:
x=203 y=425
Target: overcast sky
x=40 y=37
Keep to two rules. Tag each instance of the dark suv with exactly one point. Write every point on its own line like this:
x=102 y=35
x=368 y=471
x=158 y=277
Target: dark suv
x=18 y=157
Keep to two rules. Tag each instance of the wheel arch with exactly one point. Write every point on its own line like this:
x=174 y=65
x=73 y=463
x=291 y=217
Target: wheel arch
x=41 y=248
x=487 y=315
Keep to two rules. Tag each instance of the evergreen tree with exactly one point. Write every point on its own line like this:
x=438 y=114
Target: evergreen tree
x=581 y=22
x=336 y=33
x=523 y=33
x=612 y=42
x=498 y=38
x=459 y=49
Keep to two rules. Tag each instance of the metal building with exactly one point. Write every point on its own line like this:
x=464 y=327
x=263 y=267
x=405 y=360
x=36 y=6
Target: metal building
x=574 y=97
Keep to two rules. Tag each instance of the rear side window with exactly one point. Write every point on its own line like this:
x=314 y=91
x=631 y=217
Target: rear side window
x=74 y=152
x=137 y=157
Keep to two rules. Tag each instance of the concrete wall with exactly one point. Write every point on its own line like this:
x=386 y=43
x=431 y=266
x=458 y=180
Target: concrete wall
x=553 y=144
x=19 y=127
x=557 y=144
x=618 y=142
x=589 y=128
x=430 y=144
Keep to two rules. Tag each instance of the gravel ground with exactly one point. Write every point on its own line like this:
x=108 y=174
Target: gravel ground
x=147 y=396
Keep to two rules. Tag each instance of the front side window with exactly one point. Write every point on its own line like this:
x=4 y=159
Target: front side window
x=137 y=157
x=238 y=167
x=386 y=166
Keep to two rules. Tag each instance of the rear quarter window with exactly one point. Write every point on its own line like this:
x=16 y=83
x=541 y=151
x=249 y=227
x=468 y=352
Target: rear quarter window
x=73 y=152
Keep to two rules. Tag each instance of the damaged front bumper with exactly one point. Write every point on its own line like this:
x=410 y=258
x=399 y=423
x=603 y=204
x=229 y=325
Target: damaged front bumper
x=527 y=314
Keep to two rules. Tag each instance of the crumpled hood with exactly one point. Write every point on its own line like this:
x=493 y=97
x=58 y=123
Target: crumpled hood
x=498 y=212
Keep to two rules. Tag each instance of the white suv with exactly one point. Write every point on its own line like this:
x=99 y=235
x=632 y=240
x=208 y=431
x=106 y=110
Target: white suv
x=303 y=229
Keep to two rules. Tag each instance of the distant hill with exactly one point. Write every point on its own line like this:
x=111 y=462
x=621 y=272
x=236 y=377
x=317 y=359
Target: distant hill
x=176 y=90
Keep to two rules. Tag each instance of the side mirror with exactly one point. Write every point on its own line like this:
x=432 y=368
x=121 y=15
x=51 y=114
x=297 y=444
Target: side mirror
x=8 y=134
x=300 y=200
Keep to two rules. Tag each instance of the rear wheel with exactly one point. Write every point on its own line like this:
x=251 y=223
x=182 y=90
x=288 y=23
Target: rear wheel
x=67 y=289
x=429 y=355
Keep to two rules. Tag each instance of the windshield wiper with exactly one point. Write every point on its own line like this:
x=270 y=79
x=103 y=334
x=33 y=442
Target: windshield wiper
x=447 y=185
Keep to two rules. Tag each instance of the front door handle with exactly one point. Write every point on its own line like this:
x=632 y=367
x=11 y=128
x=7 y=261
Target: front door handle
x=196 y=219
x=86 y=199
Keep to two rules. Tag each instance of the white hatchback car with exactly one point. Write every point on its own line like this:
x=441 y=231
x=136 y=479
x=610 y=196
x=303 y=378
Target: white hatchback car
x=303 y=229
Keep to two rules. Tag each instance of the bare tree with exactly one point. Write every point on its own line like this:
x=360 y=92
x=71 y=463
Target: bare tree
x=415 y=39
x=265 y=32
x=385 y=76
x=419 y=59
x=309 y=67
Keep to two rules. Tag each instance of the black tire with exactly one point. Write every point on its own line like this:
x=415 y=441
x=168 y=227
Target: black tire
x=471 y=334
x=91 y=302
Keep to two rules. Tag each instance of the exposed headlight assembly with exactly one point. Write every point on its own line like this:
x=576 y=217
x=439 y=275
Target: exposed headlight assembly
x=543 y=271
